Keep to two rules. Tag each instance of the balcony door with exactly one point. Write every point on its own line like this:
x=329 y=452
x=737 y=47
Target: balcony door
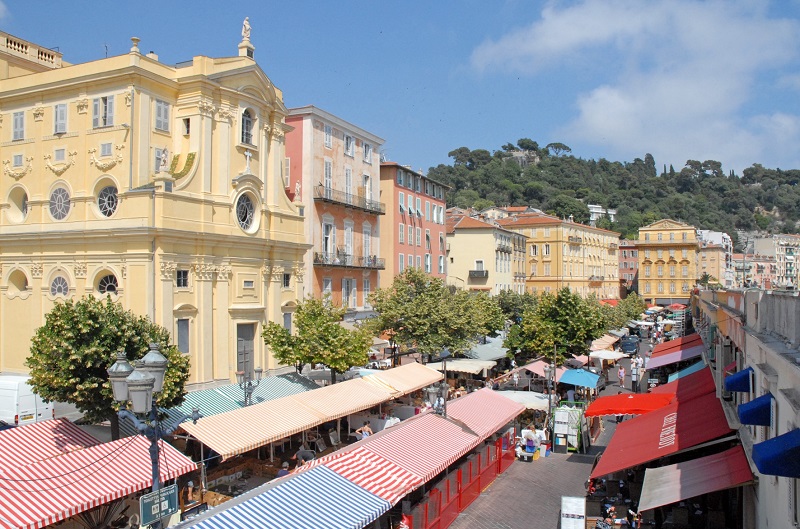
x=245 y=347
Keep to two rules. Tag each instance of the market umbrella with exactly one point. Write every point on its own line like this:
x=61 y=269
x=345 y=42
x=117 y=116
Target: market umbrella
x=628 y=404
x=580 y=377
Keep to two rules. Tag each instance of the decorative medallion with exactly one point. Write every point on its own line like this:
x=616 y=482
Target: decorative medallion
x=38 y=113
x=168 y=269
x=36 y=270
x=79 y=269
x=82 y=105
x=206 y=107
x=59 y=169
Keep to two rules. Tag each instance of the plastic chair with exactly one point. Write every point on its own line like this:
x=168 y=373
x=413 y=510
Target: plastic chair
x=320 y=444
x=334 y=436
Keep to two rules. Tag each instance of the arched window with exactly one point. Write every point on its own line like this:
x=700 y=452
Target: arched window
x=59 y=203
x=107 y=200
x=59 y=286
x=108 y=284
x=247 y=127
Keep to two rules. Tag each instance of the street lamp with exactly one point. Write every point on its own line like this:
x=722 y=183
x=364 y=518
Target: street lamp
x=550 y=375
x=139 y=386
x=437 y=394
x=391 y=333
x=246 y=382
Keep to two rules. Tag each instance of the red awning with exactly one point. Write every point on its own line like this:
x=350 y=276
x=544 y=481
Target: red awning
x=672 y=483
x=678 y=355
x=673 y=345
x=439 y=443
x=628 y=404
x=41 y=440
x=52 y=490
x=689 y=387
x=675 y=427
x=484 y=411
x=370 y=471
x=537 y=367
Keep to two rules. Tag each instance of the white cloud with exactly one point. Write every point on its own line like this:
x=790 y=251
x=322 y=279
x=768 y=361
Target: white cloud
x=3 y=10
x=679 y=75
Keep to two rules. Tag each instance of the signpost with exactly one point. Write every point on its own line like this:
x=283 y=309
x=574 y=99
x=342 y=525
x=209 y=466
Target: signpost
x=157 y=504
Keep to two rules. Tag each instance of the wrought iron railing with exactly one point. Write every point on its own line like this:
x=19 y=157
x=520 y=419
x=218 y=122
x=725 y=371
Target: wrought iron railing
x=478 y=273
x=327 y=194
x=349 y=261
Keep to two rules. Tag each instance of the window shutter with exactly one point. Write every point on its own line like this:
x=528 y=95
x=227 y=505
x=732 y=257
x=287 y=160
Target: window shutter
x=286 y=172
x=95 y=113
x=110 y=111
x=61 y=118
x=19 y=126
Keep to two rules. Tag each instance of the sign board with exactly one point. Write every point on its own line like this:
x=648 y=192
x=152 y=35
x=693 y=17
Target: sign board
x=652 y=382
x=156 y=505
x=573 y=512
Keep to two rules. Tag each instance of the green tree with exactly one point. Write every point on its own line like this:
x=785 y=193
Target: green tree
x=320 y=339
x=72 y=351
x=427 y=316
x=563 y=320
x=557 y=148
x=514 y=304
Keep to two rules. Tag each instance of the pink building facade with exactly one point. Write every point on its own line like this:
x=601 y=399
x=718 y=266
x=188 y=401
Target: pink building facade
x=414 y=225
x=628 y=265
x=332 y=168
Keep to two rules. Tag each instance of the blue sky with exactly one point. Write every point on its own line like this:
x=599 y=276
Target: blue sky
x=615 y=79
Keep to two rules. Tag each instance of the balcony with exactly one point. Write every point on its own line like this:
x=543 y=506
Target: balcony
x=344 y=260
x=594 y=280
x=348 y=200
x=574 y=240
x=502 y=247
x=478 y=274
x=613 y=246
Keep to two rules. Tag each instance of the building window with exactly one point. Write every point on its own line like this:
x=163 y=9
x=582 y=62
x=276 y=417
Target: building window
x=441 y=242
x=107 y=200
x=182 y=278
x=348 y=292
x=328 y=238
x=366 y=287
x=368 y=153
x=401 y=234
x=660 y=271
x=547 y=249
x=245 y=212
x=399 y=177
x=684 y=271
x=247 y=127
x=19 y=126
x=287 y=280
x=327 y=286
x=17 y=160
x=479 y=264
x=401 y=263
x=672 y=288
x=547 y=269
x=419 y=261
x=59 y=155
x=401 y=199
x=427 y=239
x=647 y=254
x=427 y=210
x=441 y=264
x=103 y=112
x=419 y=207
x=534 y=250
x=684 y=236
x=647 y=270
x=660 y=254
x=410 y=234
x=410 y=261
x=349 y=144
x=59 y=286
x=660 y=288
x=108 y=284
x=418 y=239
x=183 y=335
x=647 y=288
x=647 y=236
x=59 y=203
x=671 y=271
x=187 y=126
x=248 y=284
x=328 y=136
x=60 y=119
x=105 y=149
x=428 y=263
x=162 y=116
x=684 y=253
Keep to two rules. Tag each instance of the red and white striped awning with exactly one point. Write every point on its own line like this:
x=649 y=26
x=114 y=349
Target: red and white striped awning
x=439 y=443
x=48 y=491
x=41 y=440
x=371 y=472
x=484 y=411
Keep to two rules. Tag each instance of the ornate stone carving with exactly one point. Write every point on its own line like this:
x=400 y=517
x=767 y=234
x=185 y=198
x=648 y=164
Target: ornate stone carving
x=123 y=271
x=36 y=270
x=38 y=113
x=82 y=105
x=206 y=107
x=205 y=271
x=104 y=166
x=128 y=98
x=276 y=274
x=59 y=169
x=16 y=174
x=224 y=272
x=225 y=114
x=79 y=269
x=168 y=269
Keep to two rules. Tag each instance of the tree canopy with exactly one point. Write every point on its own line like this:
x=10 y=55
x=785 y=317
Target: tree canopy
x=320 y=339
x=427 y=316
x=72 y=351
x=702 y=193
x=563 y=320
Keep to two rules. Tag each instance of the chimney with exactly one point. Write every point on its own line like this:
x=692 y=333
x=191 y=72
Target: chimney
x=152 y=55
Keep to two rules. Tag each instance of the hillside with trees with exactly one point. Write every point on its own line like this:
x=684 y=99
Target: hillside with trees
x=551 y=179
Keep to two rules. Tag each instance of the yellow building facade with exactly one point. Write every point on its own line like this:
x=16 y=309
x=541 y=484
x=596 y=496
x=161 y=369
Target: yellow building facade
x=160 y=186
x=712 y=262
x=668 y=261
x=562 y=253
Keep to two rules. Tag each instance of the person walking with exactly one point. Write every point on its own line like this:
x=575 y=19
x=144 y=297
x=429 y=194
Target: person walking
x=621 y=375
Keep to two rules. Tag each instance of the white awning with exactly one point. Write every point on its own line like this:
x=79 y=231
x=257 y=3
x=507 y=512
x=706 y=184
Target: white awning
x=606 y=355
x=464 y=365
x=530 y=399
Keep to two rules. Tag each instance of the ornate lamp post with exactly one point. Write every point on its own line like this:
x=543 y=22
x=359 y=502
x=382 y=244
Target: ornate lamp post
x=437 y=393
x=246 y=382
x=139 y=387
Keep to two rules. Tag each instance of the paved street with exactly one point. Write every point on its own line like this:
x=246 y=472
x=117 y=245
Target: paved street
x=528 y=495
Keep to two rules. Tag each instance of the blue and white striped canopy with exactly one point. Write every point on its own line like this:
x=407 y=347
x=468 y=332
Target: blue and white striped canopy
x=318 y=498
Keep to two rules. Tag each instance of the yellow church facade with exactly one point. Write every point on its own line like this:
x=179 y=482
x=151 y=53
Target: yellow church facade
x=158 y=185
